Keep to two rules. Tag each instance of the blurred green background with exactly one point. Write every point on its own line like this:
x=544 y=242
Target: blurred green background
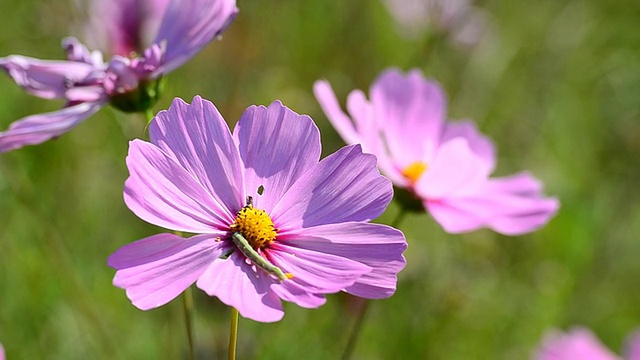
x=555 y=83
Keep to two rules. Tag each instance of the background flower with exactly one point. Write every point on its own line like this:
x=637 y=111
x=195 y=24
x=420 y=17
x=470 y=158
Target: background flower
x=129 y=82
x=580 y=343
x=195 y=175
x=444 y=164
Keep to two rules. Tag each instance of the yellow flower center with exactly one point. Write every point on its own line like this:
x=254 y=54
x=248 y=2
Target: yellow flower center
x=255 y=225
x=414 y=171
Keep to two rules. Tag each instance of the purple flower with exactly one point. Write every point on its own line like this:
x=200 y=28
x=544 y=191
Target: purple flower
x=457 y=18
x=122 y=27
x=130 y=82
x=273 y=221
x=446 y=165
x=581 y=344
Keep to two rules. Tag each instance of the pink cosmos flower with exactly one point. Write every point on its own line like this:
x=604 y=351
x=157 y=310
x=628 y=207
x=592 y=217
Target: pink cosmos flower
x=457 y=18
x=581 y=344
x=2 y=354
x=122 y=27
x=129 y=82
x=446 y=165
x=273 y=222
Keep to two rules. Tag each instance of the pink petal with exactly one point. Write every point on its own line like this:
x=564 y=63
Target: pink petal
x=365 y=131
x=454 y=171
x=2 y=354
x=155 y=270
x=378 y=246
x=315 y=271
x=36 y=129
x=633 y=347
x=340 y=121
x=163 y=193
x=344 y=186
x=196 y=136
x=187 y=27
x=238 y=284
x=411 y=112
x=507 y=212
x=297 y=294
x=44 y=78
x=277 y=146
x=578 y=344
x=479 y=144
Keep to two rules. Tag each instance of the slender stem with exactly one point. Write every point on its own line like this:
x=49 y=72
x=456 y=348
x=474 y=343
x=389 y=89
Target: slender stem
x=148 y=114
x=363 y=304
x=233 y=334
x=187 y=302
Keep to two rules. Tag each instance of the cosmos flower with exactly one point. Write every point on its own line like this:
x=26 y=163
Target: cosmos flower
x=122 y=27
x=2 y=354
x=273 y=222
x=129 y=82
x=444 y=165
x=459 y=19
x=581 y=344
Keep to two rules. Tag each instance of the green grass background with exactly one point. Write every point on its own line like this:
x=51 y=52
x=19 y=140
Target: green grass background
x=556 y=84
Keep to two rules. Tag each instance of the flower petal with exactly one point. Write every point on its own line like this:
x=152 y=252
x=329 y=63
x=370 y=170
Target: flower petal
x=45 y=78
x=277 y=146
x=297 y=294
x=479 y=144
x=363 y=130
x=411 y=113
x=155 y=270
x=496 y=207
x=632 y=351
x=340 y=121
x=161 y=192
x=36 y=129
x=454 y=171
x=238 y=284
x=187 y=27
x=344 y=186
x=315 y=271
x=579 y=343
x=378 y=246
x=196 y=136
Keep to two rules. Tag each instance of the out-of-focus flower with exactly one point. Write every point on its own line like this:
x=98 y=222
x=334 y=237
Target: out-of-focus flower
x=581 y=344
x=2 y=354
x=458 y=18
x=122 y=27
x=274 y=221
x=446 y=165
x=130 y=83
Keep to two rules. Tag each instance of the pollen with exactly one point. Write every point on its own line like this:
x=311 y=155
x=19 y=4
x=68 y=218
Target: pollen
x=414 y=171
x=256 y=226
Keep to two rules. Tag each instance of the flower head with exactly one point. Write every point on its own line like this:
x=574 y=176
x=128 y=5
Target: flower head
x=581 y=343
x=457 y=18
x=445 y=165
x=128 y=81
x=273 y=222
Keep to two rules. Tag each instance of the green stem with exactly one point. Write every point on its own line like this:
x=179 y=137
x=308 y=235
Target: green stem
x=233 y=334
x=148 y=114
x=187 y=302
x=363 y=304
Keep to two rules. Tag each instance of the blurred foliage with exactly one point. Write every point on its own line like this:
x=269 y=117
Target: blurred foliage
x=555 y=83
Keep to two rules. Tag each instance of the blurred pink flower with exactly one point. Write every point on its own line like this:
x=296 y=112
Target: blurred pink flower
x=130 y=82
x=446 y=165
x=123 y=27
x=305 y=220
x=464 y=23
x=581 y=344
x=2 y=354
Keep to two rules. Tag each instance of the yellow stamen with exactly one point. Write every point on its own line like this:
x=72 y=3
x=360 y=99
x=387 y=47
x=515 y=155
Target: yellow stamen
x=414 y=171
x=256 y=226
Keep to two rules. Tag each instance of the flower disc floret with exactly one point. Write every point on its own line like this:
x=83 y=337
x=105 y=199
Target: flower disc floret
x=414 y=171
x=256 y=226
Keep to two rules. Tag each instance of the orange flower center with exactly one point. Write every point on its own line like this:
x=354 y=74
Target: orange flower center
x=256 y=226
x=414 y=171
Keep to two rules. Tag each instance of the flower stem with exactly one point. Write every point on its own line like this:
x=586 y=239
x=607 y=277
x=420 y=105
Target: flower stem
x=187 y=302
x=233 y=334
x=148 y=114
x=363 y=304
